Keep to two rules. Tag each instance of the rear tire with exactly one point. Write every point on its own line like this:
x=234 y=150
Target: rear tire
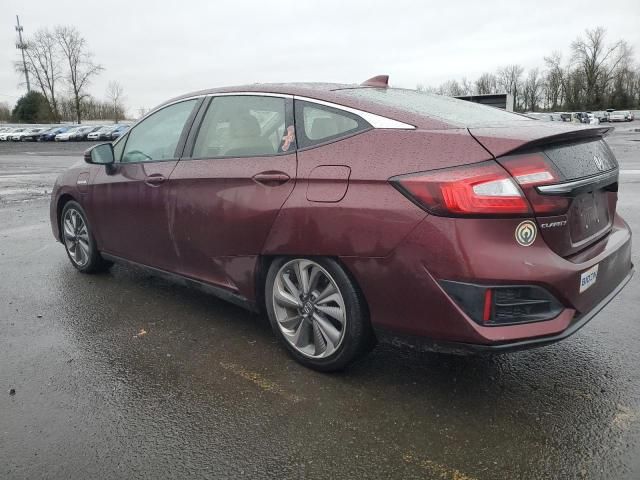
x=78 y=240
x=317 y=312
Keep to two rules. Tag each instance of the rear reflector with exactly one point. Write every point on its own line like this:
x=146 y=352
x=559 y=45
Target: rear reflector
x=503 y=304
x=480 y=189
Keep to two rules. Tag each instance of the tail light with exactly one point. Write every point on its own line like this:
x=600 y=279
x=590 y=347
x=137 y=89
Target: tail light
x=502 y=188
x=530 y=171
x=479 y=189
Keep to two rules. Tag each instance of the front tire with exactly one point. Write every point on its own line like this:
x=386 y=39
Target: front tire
x=318 y=312
x=79 y=241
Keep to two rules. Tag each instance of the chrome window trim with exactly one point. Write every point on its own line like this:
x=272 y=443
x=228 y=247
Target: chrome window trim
x=376 y=121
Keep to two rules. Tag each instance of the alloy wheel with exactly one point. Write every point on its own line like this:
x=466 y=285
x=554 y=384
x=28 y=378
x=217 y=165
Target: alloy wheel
x=76 y=237
x=309 y=308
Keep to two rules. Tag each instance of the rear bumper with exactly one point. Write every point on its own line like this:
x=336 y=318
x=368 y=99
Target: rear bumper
x=428 y=345
x=405 y=297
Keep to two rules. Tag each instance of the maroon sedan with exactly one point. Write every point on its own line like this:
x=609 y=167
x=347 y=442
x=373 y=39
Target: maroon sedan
x=352 y=213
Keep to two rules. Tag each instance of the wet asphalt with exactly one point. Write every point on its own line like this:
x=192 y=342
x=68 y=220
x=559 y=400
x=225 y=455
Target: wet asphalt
x=123 y=375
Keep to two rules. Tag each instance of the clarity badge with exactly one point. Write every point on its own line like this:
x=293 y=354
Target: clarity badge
x=526 y=233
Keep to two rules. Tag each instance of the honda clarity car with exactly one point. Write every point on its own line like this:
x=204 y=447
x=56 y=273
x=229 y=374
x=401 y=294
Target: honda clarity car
x=352 y=214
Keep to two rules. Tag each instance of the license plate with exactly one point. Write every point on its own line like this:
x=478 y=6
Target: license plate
x=588 y=278
x=589 y=215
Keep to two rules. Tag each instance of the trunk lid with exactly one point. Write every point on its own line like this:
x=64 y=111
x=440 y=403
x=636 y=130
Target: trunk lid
x=587 y=178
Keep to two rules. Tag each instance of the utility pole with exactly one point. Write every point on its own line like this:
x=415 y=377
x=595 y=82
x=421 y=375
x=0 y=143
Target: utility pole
x=22 y=47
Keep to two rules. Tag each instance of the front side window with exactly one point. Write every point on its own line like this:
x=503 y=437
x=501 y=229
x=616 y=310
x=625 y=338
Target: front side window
x=320 y=124
x=244 y=126
x=157 y=136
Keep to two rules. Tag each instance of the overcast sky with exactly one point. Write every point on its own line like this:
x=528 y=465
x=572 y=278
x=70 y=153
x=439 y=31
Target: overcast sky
x=159 y=49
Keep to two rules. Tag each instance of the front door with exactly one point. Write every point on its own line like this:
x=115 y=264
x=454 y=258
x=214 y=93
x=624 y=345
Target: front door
x=131 y=201
x=241 y=167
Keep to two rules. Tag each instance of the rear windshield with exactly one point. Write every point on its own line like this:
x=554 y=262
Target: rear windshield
x=451 y=110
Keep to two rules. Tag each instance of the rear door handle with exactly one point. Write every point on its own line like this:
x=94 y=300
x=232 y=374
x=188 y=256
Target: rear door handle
x=271 y=179
x=155 y=180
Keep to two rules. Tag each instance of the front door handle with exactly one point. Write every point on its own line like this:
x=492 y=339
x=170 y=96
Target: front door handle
x=271 y=179
x=154 y=180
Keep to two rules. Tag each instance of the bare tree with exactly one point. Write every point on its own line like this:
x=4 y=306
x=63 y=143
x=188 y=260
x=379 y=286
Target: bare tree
x=554 y=80
x=450 y=88
x=597 y=62
x=466 y=86
x=486 y=83
x=5 y=112
x=510 y=79
x=532 y=89
x=115 y=95
x=80 y=65
x=42 y=61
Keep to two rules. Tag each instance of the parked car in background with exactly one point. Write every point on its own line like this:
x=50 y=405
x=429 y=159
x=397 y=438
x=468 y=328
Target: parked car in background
x=602 y=116
x=6 y=134
x=50 y=135
x=592 y=119
x=103 y=133
x=501 y=234
x=620 y=116
x=66 y=135
x=81 y=133
x=32 y=134
x=27 y=132
x=117 y=132
x=538 y=116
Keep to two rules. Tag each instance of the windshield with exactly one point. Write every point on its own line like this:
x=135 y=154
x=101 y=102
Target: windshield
x=451 y=110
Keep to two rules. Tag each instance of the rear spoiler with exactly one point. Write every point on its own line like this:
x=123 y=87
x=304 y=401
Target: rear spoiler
x=566 y=137
x=501 y=140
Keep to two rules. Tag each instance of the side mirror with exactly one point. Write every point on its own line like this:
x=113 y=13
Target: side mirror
x=101 y=154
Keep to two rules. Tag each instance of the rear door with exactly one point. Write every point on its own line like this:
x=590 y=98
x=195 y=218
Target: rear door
x=239 y=168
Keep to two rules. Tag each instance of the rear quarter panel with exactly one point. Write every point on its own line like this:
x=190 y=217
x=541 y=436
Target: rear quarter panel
x=372 y=217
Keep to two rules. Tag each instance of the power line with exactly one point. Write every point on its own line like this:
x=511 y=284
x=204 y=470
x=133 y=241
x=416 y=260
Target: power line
x=20 y=45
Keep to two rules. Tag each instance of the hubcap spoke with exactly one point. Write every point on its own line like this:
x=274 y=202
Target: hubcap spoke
x=303 y=276
x=285 y=299
x=303 y=334
x=335 y=312
x=291 y=322
x=329 y=290
x=327 y=329
x=290 y=286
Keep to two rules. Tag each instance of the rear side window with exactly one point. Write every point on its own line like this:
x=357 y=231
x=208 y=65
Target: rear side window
x=245 y=126
x=317 y=124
